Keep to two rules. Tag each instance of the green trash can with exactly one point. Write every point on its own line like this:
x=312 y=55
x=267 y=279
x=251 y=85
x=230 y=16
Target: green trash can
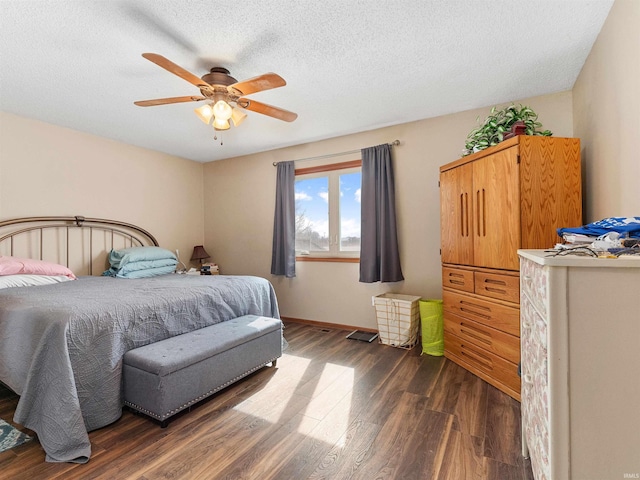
x=432 y=327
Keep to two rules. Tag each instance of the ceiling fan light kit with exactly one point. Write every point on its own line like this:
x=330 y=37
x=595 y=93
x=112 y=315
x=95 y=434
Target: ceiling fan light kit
x=220 y=124
x=225 y=94
x=218 y=115
x=222 y=110
x=237 y=116
x=205 y=113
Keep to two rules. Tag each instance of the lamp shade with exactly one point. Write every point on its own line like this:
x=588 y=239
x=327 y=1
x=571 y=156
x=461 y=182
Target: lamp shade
x=205 y=113
x=220 y=124
x=222 y=110
x=199 y=253
x=238 y=116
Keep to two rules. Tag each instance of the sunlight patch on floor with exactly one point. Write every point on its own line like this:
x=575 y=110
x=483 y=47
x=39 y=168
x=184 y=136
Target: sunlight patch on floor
x=331 y=401
x=270 y=403
x=320 y=401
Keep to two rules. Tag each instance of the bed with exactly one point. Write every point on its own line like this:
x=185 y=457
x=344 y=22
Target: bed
x=61 y=345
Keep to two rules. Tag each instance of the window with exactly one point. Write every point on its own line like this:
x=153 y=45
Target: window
x=328 y=211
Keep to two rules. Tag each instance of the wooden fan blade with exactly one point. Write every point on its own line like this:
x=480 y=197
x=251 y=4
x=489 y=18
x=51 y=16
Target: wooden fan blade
x=164 y=101
x=269 y=110
x=175 y=69
x=259 y=83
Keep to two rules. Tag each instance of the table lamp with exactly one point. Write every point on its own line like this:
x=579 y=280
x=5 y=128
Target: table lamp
x=199 y=253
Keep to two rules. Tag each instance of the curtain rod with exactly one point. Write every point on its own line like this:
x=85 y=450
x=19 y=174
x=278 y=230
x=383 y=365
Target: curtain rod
x=395 y=143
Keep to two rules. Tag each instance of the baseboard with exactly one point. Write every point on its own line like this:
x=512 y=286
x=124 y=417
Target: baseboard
x=336 y=326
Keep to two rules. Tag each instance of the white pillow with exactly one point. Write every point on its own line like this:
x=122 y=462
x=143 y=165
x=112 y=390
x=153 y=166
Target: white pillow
x=7 y=281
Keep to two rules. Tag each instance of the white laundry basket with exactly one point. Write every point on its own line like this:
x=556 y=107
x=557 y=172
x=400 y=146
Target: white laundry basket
x=398 y=319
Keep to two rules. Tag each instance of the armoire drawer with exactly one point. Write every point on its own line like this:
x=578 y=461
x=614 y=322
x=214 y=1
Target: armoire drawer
x=487 y=312
x=502 y=344
x=484 y=363
x=500 y=286
x=457 y=278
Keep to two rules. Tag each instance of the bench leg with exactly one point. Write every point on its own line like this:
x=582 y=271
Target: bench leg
x=164 y=423
x=274 y=363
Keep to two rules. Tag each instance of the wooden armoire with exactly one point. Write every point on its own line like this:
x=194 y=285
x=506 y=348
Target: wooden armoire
x=492 y=203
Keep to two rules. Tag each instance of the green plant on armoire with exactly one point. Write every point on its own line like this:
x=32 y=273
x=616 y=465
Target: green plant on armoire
x=502 y=124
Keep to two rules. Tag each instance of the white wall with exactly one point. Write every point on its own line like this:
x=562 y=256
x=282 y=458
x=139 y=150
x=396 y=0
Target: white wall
x=239 y=203
x=50 y=170
x=607 y=116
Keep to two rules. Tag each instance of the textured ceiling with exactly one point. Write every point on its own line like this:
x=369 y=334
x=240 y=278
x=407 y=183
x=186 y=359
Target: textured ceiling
x=350 y=66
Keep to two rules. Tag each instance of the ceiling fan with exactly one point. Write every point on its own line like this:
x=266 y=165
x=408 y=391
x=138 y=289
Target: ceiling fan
x=225 y=93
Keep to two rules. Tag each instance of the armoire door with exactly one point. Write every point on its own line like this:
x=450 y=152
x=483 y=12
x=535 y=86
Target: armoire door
x=496 y=210
x=456 y=224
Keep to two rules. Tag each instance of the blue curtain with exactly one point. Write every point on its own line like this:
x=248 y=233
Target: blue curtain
x=379 y=255
x=283 y=254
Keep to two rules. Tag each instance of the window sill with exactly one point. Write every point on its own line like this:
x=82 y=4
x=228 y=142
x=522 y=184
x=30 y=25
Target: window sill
x=328 y=259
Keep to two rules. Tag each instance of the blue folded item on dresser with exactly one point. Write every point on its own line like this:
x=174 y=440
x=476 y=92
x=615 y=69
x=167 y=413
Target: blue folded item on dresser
x=625 y=226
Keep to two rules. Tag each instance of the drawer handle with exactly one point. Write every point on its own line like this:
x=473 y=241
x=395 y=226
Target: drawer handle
x=486 y=361
x=474 y=333
x=496 y=282
x=482 y=307
x=496 y=290
x=528 y=378
x=526 y=325
x=456 y=282
x=477 y=314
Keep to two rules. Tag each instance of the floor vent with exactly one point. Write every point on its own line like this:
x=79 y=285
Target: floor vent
x=362 y=336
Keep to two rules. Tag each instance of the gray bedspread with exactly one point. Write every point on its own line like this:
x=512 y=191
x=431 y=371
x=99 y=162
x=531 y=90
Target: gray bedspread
x=61 y=345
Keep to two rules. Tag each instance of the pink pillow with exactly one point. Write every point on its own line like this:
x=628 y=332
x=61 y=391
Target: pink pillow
x=19 y=266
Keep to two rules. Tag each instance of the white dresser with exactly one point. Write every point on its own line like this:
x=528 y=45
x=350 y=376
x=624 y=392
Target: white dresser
x=580 y=352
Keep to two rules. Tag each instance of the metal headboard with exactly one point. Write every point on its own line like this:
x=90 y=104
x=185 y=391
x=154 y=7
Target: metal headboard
x=32 y=239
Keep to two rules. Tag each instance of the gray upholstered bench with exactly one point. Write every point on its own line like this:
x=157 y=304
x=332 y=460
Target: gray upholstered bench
x=163 y=378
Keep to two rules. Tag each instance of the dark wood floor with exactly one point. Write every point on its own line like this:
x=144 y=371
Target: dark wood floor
x=332 y=409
